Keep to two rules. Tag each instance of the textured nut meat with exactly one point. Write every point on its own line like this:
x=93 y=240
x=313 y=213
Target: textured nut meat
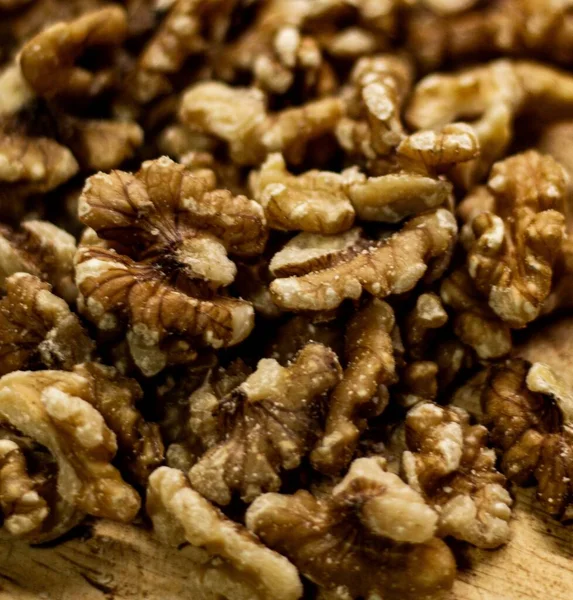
x=266 y=424
x=389 y=267
x=516 y=245
x=38 y=328
x=362 y=391
x=529 y=410
x=50 y=407
x=228 y=561
x=448 y=462
x=373 y=535
x=42 y=249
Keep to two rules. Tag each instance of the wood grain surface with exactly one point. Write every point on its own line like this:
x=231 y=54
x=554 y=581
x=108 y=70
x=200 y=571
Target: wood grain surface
x=118 y=562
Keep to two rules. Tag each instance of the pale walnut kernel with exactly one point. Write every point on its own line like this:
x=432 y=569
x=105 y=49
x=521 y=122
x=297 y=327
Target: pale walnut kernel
x=140 y=448
x=516 y=245
x=33 y=165
x=172 y=230
x=227 y=560
x=314 y=201
x=22 y=508
x=372 y=536
x=265 y=425
x=48 y=61
x=529 y=410
x=382 y=268
x=53 y=408
x=362 y=391
x=239 y=117
x=38 y=328
x=41 y=249
x=449 y=464
x=475 y=323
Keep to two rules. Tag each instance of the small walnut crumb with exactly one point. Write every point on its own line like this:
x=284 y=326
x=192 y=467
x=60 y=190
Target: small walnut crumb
x=54 y=409
x=239 y=117
x=228 y=561
x=266 y=424
x=448 y=462
x=314 y=201
x=393 y=552
x=516 y=244
x=38 y=328
x=362 y=391
x=48 y=61
x=168 y=233
x=41 y=249
x=427 y=315
x=381 y=268
x=529 y=410
x=22 y=508
x=475 y=323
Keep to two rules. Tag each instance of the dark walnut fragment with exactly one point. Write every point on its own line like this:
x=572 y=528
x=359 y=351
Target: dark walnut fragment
x=372 y=535
x=448 y=462
x=266 y=424
x=157 y=271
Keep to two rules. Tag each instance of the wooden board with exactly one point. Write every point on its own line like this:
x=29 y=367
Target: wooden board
x=119 y=562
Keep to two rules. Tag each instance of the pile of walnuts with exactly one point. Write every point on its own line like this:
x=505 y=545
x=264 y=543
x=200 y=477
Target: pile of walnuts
x=288 y=280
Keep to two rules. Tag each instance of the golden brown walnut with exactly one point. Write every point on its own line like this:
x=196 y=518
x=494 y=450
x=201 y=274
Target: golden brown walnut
x=362 y=391
x=427 y=315
x=378 y=87
x=265 y=425
x=172 y=230
x=434 y=152
x=418 y=382
x=38 y=328
x=509 y=27
x=140 y=448
x=448 y=462
x=373 y=535
x=187 y=30
x=239 y=117
x=314 y=201
x=515 y=246
x=54 y=409
x=524 y=87
x=229 y=561
x=252 y=285
x=100 y=145
x=475 y=323
x=22 y=509
x=529 y=410
x=33 y=165
x=49 y=60
x=41 y=249
x=391 y=266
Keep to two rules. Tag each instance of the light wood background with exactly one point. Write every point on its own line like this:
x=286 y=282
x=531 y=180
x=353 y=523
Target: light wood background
x=119 y=562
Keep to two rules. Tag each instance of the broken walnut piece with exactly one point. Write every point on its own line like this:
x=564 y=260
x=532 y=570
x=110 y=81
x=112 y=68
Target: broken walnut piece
x=529 y=411
x=49 y=60
x=172 y=230
x=362 y=392
x=42 y=249
x=140 y=448
x=227 y=561
x=373 y=535
x=391 y=266
x=38 y=328
x=447 y=461
x=239 y=117
x=33 y=165
x=427 y=315
x=515 y=246
x=53 y=408
x=22 y=509
x=266 y=424
x=475 y=323
x=314 y=201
